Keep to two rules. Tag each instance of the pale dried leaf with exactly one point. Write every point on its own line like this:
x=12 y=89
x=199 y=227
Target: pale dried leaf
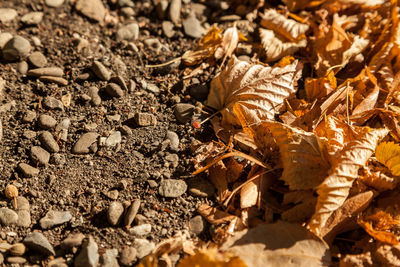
x=215 y=216
x=359 y=260
x=357 y=47
x=334 y=190
x=301 y=212
x=380 y=57
x=379 y=180
x=229 y=42
x=249 y=194
x=370 y=3
x=261 y=89
x=368 y=102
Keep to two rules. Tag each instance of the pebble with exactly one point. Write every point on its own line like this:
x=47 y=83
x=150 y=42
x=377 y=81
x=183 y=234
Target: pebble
x=129 y=32
x=140 y=219
x=40 y=156
x=28 y=134
x=145 y=119
x=8 y=216
x=22 y=204
x=150 y=87
x=1 y=258
x=24 y=218
x=4 y=38
x=84 y=142
x=93 y=93
x=51 y=79
x=131 y=212
x=54 y=3
x=125 y=130
x=174 y=140
x=18 y=249
x=48 y=142
x=183 y=112
x=7 y=14
x=152 y=183
x=192 y=27
x=200 y=187
x=46 y=122
x=128 y=12
x=123 y=3
x=143 y=247
x=72 y=240
x=113 y=139
x=101 y=71
x=53 y=103
x=114 y=212
x=93 y=9
x=27 y=170
x=89 y=255
x=120 y=81
x=112 y=194
x=196 y=225
x=49 y=71
x=32 y=18
x=16 y=48
x=22 y=67
x=128 y=256
x=39 y=243
x=172 y=188
x=175 y=11
x=36 y=41
x=109 y=258
x=37 y=59
x=114 y=90
x=199 y=92
x=55 y=217
x=168 y=28
x=57 y=262
x=16 y=260
x=141 y=230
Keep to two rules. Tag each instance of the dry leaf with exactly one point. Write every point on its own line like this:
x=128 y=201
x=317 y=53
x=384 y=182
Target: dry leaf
x=388 y=153
x=377 y=224
x=279 y=244
x=262 y=89
x=229 y=44
x=334 y=190
x=378 y=179
x=387 y=255
x=359 y=260
x=320 y=87
x=301 y=212
x=211 y=257
x=249 y=194
x=215 y=216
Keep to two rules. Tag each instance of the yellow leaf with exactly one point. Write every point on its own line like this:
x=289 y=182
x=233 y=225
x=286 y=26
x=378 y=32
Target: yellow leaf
x=211 y=257
x=388 y=153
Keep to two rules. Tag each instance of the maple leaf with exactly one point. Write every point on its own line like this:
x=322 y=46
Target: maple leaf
x=335 y=188
x=260 y=88
x=388 y=153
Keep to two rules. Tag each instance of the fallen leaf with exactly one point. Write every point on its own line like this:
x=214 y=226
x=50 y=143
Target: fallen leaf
x=388 y=153
x=211 y=257
x=359 y=260
x=215 y=216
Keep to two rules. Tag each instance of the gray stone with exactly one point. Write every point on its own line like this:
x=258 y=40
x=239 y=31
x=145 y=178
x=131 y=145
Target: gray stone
x=29 y=116
x=124 y=3
x=95 y=99
x=120 y=81
x=53 y=103
x=8 y=216
x=128 y=256
x=39 y=243
x=89 y=255
x=58 y=159
x=16 y=260
x=16 y=48
x=40 y=156
x=183 y=112
x=128 y=32
x=113 y=139
x=48 y=142
x=172 y=188
x=46 y=122
x=54 y=3
x=114 y=212
x=22 y=67
x=141 y=230
x=49 y=71
x=196 y=225
x=101 y=71
x=55 y=217
x=93 y=9
x=168 y=28
x=52 y=79
x=131 y=212
x=24 y=218
x=37 y=59
x=200 y=187
x=27 y=170
x=114 y=90
x=140 y=219
x=128 y=12
x=112 y=194
x=173 y=140
x=28 y=134
x=192 y=27
x=7 y=14
x=145 y=119
x=72 y=240
x=32 y=18
x=109 y=258
x=84 y=142
x=175 y=11
x=150 y=87
x=22 y=203
x=18 y=249
x=4 y=38
x=143 y=247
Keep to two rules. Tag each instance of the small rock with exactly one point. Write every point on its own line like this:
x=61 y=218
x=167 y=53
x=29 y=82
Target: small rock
x=54 y=3
x=18 y=249
x=57 y=262
x=49 y=71
x=27 y=170
x=114 y=90
x=192 y=27
x=8 y=216
x=28 y=134
x=16 y=260
x=141 y=230
x=58 y=159
x=101 y=71
x=4 y=38
x=128 y=32
x=143 y=247
x=114 y=212
x=72 y=240
x=120 y=81
x=196 y=225
x=29 y=116
x=174 y=140
x=109 y=258
x=32 y=18
x=7 y=14
x=150 y=87
x=16 y=48
x=172 y=188
x=155 y=45
x=168 y=28
x=123 y=3
x=40 y=156
x=55 y=217
x=145 y=119
x=95 y=99
x=128 y=256
x=128 y=12
x=200 y=187
x=56 y=80
x=183 y=112
x=22 y=204
x=175 y=11
x=199 y=92
x=152 y=183
x=39 y=243
x=53 y=103
x=112 y=194
x=24 y=218
x=93 y=9
x=46 y=122
x=140 y=219
x=131 y=213
x=113 y=139
x=47 y=140
x=125 y=130
x=89 y=255
x=22 y=67
x=84 y=142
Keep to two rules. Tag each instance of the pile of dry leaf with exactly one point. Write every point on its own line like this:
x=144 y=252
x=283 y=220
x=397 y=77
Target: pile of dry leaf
x=307 y=162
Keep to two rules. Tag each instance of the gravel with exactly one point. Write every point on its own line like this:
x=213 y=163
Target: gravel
x=16 y=48
x=54 y=218
x=38 y=242
x=172 y=188
x=88 y=256
x=93 y=9
x=8 y=216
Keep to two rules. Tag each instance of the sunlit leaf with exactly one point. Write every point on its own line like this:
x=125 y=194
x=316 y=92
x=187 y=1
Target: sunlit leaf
x=211 y=257
x=388 y=153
